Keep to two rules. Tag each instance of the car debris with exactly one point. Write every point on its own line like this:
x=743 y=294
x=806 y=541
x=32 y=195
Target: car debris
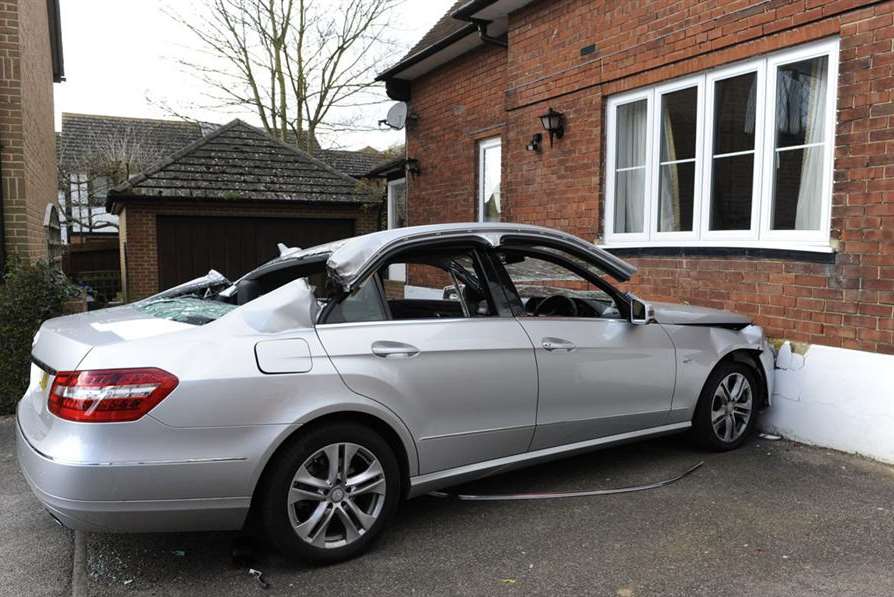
x=561 y=494
x=259 y=576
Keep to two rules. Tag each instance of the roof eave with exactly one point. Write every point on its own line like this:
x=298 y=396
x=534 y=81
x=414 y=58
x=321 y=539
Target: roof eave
x=427 y=52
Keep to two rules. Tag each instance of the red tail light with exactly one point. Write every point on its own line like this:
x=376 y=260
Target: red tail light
x=109 y=395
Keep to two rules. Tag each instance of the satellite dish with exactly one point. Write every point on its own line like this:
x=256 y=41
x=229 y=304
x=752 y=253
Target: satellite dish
x=397 y=116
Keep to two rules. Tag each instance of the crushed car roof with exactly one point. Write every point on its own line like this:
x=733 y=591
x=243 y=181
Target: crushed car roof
x=349 y=259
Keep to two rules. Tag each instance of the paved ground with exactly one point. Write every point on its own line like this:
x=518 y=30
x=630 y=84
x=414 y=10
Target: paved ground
x=35 y=552
x=773 y=518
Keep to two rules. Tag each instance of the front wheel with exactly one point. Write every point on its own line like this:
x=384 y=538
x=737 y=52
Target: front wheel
x=727 y=408
x=330 y=493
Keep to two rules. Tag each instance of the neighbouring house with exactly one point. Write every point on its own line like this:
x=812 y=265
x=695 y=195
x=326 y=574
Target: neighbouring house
x=98 y=152
x=30 y=62
x=224 y=202
x=740 y=153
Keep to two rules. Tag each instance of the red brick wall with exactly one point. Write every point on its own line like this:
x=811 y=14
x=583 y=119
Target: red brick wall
x=26 y=124
x=458 y=105
x=847 y=303
x=138 y=237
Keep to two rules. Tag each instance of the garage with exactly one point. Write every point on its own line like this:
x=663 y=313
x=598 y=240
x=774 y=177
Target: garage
x=224 y=202
x=188 y=246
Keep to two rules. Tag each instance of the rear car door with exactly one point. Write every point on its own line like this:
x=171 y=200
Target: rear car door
x=599 y=374
x=442 y=353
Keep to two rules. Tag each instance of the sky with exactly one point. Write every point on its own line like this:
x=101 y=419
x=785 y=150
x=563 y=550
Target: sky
x=121 y=60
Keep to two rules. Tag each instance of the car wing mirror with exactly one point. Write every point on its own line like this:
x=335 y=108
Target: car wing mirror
x=641 y=313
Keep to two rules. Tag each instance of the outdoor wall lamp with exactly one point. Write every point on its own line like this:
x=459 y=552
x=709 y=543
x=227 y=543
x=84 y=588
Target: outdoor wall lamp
x=535 y=143
x=554 y=123
x=412 y=166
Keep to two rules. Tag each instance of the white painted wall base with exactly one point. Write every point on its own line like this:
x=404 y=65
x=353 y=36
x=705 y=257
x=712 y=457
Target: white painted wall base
x=836 y=398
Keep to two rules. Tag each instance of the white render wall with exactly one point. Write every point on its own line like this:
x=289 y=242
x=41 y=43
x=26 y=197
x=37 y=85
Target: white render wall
x=836 y=398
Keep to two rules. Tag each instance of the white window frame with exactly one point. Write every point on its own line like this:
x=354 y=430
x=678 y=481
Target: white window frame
x=759 y=235
x=483 y=146
x=611 y=156
x=660 y=92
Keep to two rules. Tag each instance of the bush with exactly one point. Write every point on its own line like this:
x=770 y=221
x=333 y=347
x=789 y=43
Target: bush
x=30 y=294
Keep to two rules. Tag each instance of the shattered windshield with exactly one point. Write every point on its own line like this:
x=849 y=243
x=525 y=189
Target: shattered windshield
x=186 y=309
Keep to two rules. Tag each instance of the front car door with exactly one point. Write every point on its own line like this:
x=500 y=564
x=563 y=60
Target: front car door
x=442 y=352
x=599 y=375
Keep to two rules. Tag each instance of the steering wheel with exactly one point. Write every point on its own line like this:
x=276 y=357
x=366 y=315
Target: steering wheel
x=557 y=304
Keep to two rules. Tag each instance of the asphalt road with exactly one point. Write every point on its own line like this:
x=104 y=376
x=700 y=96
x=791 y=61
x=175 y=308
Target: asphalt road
x=773 y=518
x=35 y=552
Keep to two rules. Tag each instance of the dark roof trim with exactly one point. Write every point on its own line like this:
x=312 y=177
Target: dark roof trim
x=55 y=24
x=385 y=169
x=469 y=9
x=428 y=52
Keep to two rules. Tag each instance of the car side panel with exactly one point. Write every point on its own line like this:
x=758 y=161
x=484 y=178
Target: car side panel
x=470 y=394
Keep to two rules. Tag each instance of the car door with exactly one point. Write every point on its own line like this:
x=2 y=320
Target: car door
x=443 y=355
x=599 y=375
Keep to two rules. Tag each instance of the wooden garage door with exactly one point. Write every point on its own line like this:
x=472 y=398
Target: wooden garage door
x=188 y=246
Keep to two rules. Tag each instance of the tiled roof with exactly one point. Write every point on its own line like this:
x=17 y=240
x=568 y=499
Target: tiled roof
x=445 y=26
x=238 y=162
x=85 y=138
x=352 y=163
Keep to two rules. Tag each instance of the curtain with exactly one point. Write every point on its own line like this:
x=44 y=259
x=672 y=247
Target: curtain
x=813 y=98
x=630 y=184
x=669 y=207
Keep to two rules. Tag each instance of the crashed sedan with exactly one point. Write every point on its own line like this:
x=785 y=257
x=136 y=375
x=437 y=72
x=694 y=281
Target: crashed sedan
x=318 y=391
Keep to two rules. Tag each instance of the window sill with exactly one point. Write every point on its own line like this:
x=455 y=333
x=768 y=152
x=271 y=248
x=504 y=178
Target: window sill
x=822 y=253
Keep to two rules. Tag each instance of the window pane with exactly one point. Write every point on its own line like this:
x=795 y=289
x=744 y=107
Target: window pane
x=630 y=182
x=731 y=182
x=631 y=145
x=797 y=189
x=679 y=114
x=362 y=305
x=676 y=197
x=630 y=187
x=440 y=283
x=536 y=279
x=801 y=102
x=490 y=182
x=397 y=195
x=734 y=108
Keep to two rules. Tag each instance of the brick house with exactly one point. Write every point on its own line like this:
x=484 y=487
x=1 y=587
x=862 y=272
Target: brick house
x=740 y=153
x=30 y=62
x=224 y=202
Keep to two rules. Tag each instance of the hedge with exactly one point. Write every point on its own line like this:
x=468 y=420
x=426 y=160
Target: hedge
x=30 y=293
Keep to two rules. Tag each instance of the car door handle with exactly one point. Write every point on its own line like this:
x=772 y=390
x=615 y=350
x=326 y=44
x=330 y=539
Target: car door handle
x=394 y=350
x=552 y=344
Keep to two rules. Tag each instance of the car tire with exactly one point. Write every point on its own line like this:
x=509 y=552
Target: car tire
x=299 y=500
x=719 y=423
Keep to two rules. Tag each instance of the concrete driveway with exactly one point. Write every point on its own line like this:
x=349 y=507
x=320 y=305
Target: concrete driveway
x=774 y=518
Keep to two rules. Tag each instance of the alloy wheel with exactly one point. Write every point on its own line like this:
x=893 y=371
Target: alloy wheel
x=731 y=407
x=336 y=495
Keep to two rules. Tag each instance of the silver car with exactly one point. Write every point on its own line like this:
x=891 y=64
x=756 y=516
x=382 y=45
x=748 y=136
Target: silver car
x=318 y=391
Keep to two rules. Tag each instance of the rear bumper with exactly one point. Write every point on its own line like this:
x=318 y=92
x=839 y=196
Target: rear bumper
x=77 y=494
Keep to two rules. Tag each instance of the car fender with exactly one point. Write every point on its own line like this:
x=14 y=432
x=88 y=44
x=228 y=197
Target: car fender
x=699 y=349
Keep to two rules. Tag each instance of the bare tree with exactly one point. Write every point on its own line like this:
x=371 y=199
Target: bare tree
x=84 y=179
x=298 y=64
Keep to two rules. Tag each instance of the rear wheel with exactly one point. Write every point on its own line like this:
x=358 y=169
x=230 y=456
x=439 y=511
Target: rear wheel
x=727 y=408
x=330 y=493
